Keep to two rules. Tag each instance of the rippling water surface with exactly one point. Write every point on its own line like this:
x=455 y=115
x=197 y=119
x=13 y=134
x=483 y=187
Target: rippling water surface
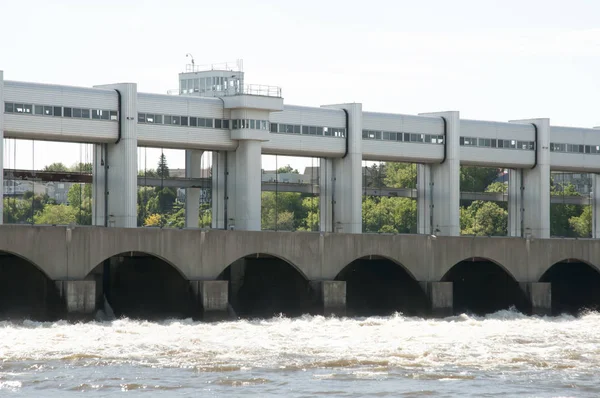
x=502 y=354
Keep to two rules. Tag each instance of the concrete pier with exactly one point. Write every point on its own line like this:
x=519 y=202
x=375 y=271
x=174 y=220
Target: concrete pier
x=331 y=296
x=236 y=280
x=441 y=297
x=213 y=297
x=540 y=296
x=79 y=296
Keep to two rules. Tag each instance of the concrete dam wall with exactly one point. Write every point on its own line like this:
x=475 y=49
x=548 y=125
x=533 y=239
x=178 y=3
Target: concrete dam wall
x=48 y=272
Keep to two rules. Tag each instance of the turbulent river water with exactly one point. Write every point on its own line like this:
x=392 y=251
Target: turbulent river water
x=502 y=354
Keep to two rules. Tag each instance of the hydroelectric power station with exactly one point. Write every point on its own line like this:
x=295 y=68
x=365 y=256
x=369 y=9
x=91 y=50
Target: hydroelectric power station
x=49 y=271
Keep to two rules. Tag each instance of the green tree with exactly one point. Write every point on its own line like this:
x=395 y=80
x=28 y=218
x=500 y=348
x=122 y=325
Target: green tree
x=166 y=198
x=276 y=208
x=154 y=220
x=17 y=211
x=176 y=219
x=156 y=200
x=35 y=203
x=374 y=175
x=561 y=213
x=56 y=214
x=400 y=175
x=205 y=219
x=287 y=169
x=143 y=197
x=389 y=215
x=484 y=219
x=582 y=224
x=81 y=167
x=80 y=200
x=56 y=167
x=162 y=170
x=476 y=179
x=497 y=187
x=149 y=173
x=311 y=221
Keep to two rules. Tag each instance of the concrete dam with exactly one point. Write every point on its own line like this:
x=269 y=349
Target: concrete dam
x=54 y=272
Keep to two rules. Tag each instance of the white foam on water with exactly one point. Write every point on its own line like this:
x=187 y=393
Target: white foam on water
x=11 y=385
x=506 y=340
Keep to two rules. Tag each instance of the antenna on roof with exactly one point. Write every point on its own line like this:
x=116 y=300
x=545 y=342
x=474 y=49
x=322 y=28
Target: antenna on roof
x=191 y=56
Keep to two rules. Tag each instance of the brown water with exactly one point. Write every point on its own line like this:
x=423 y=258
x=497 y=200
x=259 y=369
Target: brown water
x=504 y=354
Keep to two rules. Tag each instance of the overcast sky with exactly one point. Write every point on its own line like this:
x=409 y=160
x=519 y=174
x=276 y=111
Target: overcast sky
x=491 y=60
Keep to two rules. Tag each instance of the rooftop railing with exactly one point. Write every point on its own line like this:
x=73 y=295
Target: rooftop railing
x=259 y=89
x=249 y=89
x=234 y=66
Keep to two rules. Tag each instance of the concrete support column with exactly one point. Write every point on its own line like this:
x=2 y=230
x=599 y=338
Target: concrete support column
x=445 y=182
x=231 y=184
x=79 y=296
x=424 y=199
x=595 y=203
x=326 y=195
x=441 y=297
x=347 y=171
x=213 y=298
x=248 y=185
x=515 y=202
x=2 y=147
x=540 y=297
x=219 y=190
x=99 y=200
x=596 y=206
x=330 y=296
x=122 y=162
x=193 y=169
x=536 y=183
x=237 y=272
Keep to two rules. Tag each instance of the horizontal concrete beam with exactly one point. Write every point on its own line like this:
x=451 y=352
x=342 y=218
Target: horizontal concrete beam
x=46 y=176
x=72 y=253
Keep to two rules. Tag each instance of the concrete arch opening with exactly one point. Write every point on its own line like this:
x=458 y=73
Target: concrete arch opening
x=481 y=286
x=263 y=286
x=139 y=285
x=575 y=286
x=26 y=292
x=376 y=285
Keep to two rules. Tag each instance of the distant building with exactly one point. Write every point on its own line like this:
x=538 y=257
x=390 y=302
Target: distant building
x=59 y=191
x=288 y=178
x=205 y=192
x=16 y=188
x=581 y=181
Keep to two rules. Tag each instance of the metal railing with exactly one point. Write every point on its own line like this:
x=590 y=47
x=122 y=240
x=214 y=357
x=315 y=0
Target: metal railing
x=249 y=89
x=260 y=89
x=234 y=66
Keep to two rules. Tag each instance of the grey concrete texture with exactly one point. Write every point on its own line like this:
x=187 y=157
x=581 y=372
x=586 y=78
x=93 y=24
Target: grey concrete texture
x=65 y=253
x=441 y=294
x=331 y=296
x=79 y=296
x=540 y=296
x=213 y=295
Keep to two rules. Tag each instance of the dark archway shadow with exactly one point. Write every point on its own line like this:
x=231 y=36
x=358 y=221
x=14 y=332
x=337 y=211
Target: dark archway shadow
x=26 y=292
x=378 y=286
x=481 y=286
x=143 y=286
x=575 y=286
x=263 y=286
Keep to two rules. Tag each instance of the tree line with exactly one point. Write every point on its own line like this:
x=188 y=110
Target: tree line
x=290 y=211
x=294 y=211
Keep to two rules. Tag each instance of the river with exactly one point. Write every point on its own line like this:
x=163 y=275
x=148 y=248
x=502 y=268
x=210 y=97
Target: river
x=502 y=354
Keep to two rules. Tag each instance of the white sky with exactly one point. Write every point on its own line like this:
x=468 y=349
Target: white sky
x=489 y=59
